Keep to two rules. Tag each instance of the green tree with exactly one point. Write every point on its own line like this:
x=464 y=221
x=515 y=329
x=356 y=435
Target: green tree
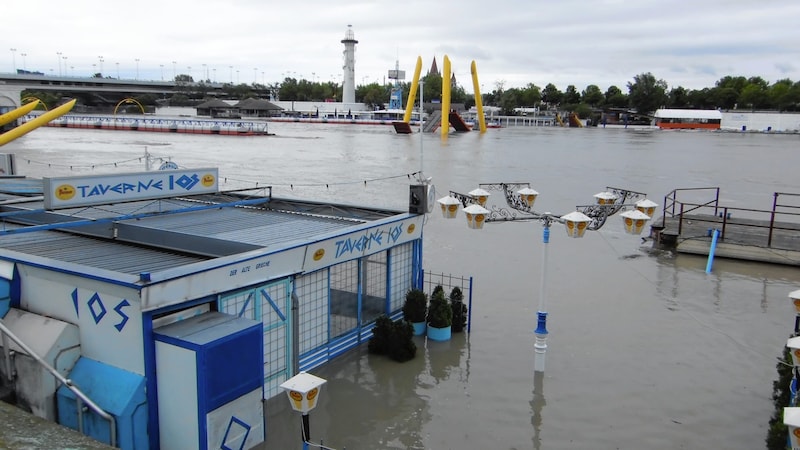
x=647 y=94
x=551 y=95
x=530 y=95
x=592 y=95
x=678 y=97
x=508 y=101
x=735 y=83
x=183 y=78
x=616 y=98
x=571 y=96
x=753 y=96
x=373 y=95
x=701 y=98
x=288 y=90
x=432 y=88
x=780 y=95
x=725 y=97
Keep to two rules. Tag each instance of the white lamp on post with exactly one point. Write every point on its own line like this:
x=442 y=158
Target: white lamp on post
x=303 y=391
x=520 y=199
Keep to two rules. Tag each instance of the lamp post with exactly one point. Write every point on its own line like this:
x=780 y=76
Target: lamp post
x=58 y=55
x=520 y=198
x=137 y=68
x=14 y=59
x=101 y=65
x=24 y=66
x=303 y=391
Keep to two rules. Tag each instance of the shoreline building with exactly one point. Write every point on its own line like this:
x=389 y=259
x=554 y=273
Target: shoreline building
x=177 y=307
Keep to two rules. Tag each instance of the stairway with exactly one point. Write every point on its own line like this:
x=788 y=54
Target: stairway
x=433 y=122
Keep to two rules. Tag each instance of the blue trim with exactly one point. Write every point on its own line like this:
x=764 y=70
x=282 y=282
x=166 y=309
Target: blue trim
x=388 y=277
x=151 y=380
x=328 y=301
x=149 y=347
x=360 y=290
x=541 y=323
x=246 y=302
x=15 y=289
x=272 y=303
x=75 y=272
x=469 y=310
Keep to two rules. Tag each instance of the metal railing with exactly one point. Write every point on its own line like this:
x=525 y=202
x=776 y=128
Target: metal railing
x=80 y=397
x=762 y=219
x=671 y=201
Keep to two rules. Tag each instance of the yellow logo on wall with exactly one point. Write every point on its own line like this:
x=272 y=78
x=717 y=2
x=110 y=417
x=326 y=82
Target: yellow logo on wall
x=319 y=254
x=65 y=192
x=410 y=229
x=208 y=180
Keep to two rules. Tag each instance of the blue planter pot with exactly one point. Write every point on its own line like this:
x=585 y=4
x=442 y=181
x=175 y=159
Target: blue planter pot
x=419 y=328
x=439 y=334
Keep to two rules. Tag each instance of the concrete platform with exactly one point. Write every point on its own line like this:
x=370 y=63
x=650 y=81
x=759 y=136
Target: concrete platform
x=740 y=238
x=20 y=430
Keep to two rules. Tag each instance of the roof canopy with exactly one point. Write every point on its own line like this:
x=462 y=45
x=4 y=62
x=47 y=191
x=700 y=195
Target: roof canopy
x=688 y=114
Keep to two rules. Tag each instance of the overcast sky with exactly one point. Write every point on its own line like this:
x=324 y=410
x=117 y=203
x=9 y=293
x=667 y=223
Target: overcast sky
x=689 y=43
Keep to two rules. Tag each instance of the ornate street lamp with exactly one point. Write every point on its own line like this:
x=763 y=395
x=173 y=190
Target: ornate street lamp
x=520 y=199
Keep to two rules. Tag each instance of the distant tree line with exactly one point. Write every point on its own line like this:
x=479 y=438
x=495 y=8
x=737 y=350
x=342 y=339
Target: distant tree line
x=644 y=94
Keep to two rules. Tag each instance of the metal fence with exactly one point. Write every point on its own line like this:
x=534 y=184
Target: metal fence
x=448 y=281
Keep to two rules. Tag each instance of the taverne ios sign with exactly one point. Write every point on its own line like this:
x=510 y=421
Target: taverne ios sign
x=69 y=192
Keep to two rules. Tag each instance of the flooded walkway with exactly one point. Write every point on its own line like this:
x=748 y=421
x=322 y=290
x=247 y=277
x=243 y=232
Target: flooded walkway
x=20 y=430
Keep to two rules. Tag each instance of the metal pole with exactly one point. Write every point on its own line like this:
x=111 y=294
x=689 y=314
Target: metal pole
x=421 y=83
x=306 y=432
x=540 y=347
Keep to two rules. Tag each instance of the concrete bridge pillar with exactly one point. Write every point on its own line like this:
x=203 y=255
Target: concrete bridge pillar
x=10 y=97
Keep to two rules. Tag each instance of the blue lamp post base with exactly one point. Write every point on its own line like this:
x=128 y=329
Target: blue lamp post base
x=540 y=346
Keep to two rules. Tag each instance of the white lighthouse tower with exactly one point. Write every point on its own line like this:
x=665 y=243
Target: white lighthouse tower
x=349 y=81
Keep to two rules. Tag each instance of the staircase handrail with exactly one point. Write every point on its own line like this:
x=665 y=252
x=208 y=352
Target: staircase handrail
x=79 y=395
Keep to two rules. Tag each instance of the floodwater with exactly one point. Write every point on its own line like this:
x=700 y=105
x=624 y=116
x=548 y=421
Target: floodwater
x=646 y=350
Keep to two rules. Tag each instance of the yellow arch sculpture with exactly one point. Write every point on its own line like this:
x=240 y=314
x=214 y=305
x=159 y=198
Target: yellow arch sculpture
x=17 y=113
x=128 y=100
x=446 y=95
x=33 y=124
x=31 y=98
x=412 y=94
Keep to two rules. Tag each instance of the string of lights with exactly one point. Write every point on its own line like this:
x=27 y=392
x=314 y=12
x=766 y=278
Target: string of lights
x=95 y=165
x=291 y=186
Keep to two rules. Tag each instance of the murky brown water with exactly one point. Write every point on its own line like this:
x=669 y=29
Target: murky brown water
x=646 y=350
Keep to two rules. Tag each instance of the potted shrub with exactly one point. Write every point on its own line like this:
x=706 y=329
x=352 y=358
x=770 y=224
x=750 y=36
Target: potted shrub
x=459 y=310
x=440 y=316
x=393 y=339
x=415 y=309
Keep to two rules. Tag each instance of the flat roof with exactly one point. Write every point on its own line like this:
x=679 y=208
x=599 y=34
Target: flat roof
x=160 y=234
x=688 y=114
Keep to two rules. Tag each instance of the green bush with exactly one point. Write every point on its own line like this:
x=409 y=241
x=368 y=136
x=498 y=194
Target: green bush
x=459 y=309
x=778 y=433
x=394 y=339
x=440 y=314
x=415 y=307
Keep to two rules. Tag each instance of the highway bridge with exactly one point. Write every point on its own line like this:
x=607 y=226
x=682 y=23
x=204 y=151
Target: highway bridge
x=107 y=91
